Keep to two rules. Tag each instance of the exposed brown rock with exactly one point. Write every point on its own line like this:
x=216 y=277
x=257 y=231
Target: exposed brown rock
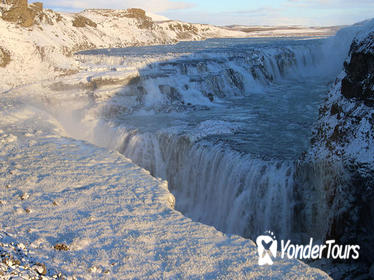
x=136 y=13
x=140 y=15
x=184 y=31
x=81 y=21
x=4 y=57
x=335 y=109
x=61 y=247
x=40 y=268
x=183 y=27
x=184 y=36
x=37 y=6
x=20 y=13
x=17 y=3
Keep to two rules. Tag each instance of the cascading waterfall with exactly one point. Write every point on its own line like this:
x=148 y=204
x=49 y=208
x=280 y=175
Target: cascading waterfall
x=232 y=190
x=235 y=192
x=216 y=186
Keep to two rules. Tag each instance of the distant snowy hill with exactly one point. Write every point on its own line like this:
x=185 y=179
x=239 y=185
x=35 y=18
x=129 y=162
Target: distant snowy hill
x=284 y=31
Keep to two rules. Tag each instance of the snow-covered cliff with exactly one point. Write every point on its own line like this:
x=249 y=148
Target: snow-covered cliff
x=344 y=140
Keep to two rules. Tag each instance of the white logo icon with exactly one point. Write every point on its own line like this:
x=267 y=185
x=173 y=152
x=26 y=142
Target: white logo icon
x=267 y=248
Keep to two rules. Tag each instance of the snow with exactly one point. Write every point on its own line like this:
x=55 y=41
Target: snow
x=89 y=113
x=211 y=127
x=156 y=17
x=44 y=50
x=358 y=144
x=344 y=140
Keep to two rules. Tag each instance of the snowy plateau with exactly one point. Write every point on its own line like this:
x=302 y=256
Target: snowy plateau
x=116 y=161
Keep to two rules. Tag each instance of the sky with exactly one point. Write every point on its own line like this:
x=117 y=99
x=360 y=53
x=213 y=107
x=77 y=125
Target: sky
x=241 y=12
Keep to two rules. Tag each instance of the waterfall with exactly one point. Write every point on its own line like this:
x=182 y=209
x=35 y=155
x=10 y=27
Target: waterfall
x=216 y=186
x=236 y=192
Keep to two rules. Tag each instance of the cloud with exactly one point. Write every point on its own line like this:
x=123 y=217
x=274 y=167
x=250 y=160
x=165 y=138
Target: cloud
x=286 y=12
x=325 y=4
x=260 y=11
x=260 y=16
x=332 y=12
x=263 y=15
x=148 y=5
x=289 y=12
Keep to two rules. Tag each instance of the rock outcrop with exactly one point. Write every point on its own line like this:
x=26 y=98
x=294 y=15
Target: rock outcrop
x=81 y=21
x=4 y=57
x=345 y=137
x=144 y=22
x=20 y=13
x=16 y=3
x=359 y=81
x=37 y=6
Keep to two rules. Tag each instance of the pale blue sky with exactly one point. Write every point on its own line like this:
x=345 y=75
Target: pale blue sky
x=250 y=12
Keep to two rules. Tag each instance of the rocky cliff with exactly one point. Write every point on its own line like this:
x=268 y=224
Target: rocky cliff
x=19 y=12
x=345 y=137
x=359 y=81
